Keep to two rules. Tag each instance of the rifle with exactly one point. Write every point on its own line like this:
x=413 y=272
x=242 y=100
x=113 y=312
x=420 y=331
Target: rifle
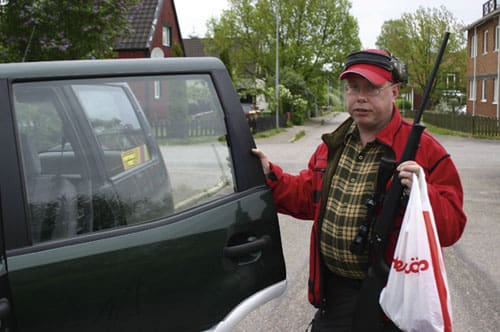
x=368 y=314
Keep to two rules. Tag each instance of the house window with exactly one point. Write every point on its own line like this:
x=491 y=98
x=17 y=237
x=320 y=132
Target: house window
x=166 y=36
x=497 y=32
x=495 y=90
x=473 y=46
x=157 y=89
x=485 y=41
x=472 y=90
x=450 y=81
x=484 y=90
x=489 y=6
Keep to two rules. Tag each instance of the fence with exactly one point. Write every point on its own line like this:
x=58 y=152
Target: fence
x=209 y=126
x=196 y=127
x=266 y=122
x=473 y=125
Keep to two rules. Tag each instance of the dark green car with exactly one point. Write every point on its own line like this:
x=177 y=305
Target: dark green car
x=130 y=200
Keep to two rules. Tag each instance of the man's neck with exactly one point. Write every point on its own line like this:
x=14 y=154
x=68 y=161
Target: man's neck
x=369 y=134
x=367 y=137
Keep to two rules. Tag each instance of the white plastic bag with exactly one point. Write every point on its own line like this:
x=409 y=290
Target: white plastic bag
x=416 y=296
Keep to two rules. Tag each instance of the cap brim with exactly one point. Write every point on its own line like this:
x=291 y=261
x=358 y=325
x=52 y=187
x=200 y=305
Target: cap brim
x=376 y=75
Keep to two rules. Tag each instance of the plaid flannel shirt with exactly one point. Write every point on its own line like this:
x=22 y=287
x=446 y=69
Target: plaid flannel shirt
x=353 y=183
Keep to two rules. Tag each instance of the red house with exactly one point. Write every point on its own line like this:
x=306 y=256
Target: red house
x=155 y=33
x=483 y=66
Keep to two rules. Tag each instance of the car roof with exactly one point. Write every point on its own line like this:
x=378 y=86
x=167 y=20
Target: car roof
x=110 y=67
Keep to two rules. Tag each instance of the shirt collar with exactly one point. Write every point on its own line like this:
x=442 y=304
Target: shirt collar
x=353 y=131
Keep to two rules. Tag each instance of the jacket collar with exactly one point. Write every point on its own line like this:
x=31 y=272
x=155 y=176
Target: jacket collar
x=388 y=134
x=335 y=139
x=396 y=134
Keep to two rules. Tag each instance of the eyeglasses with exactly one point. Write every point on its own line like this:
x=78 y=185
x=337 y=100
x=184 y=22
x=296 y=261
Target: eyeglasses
x=369 y=90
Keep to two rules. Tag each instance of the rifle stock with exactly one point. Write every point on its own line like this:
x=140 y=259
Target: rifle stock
x=368 y=314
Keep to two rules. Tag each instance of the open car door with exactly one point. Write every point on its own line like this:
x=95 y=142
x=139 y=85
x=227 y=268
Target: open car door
x=134 y=200
x=5 y=298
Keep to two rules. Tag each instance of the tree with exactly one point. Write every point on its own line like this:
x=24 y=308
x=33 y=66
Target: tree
x=314 y=39
x=415 y=38
x=62 y=29
x=177 y=50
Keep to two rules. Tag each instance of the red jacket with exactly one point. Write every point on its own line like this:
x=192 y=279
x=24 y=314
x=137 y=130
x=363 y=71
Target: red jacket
x=301 y=195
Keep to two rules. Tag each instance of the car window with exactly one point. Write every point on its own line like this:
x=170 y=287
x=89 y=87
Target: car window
x=188 y=123
x=49 y=163
x=115 y=124
x=100 y=154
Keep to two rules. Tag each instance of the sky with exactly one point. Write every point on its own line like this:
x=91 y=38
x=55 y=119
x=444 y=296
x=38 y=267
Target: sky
x=193 y=14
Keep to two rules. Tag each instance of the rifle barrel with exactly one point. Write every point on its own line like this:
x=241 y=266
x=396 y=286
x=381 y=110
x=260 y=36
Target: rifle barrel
x=430 y=81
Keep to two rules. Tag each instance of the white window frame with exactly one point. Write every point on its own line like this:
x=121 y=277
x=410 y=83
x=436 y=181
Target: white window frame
x=497 y=37
x=166 y=36
x=472 y=90
x=157 y=89
x=495 y=91
x=484 y=91
x=450 y=81
x=485 y=42
x=473 y=46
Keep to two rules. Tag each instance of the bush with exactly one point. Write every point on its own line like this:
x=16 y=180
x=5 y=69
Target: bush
x=298 y=118
x=299 y=110
x=403 y=104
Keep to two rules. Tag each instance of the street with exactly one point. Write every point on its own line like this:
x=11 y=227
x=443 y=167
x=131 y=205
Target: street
x=472 y=265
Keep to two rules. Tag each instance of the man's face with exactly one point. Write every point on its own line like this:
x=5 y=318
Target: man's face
x=370 y=106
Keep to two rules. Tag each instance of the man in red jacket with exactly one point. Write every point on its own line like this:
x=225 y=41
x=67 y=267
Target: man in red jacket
x=342 y=175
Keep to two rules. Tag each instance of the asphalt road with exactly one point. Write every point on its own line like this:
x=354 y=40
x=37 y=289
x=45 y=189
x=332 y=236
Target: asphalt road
x=472 y=266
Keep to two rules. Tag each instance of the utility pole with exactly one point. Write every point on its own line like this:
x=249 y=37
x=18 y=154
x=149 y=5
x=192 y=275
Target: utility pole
x=276 y=76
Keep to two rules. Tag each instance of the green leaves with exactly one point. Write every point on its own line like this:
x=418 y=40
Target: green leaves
x=416 y=38
x=63 y=29
x=314 y=38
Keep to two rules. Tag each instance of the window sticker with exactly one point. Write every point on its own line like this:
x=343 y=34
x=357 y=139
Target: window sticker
x=135 y=157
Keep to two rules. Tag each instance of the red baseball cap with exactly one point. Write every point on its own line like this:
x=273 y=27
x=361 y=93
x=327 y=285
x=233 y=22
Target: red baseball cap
x=377 y=75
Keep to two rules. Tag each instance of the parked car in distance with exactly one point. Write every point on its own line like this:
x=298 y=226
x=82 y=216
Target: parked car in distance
x=462 y=109
x=250 y=110
x=130 y=200
x=247 y=108
x=252 y=113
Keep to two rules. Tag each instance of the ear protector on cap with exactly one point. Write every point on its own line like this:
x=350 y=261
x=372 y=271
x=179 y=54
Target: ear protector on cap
x=388 y=62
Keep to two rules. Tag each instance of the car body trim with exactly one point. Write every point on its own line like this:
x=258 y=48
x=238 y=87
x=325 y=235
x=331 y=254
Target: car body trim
x=247 y=306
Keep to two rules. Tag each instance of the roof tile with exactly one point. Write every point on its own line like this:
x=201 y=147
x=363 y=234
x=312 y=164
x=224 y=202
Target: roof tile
x=144 y=18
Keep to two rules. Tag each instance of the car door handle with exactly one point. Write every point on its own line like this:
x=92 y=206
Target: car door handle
x=252 y=246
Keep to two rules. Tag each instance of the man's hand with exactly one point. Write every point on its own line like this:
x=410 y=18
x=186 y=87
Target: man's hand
x=263 y=160
x=406 y=170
